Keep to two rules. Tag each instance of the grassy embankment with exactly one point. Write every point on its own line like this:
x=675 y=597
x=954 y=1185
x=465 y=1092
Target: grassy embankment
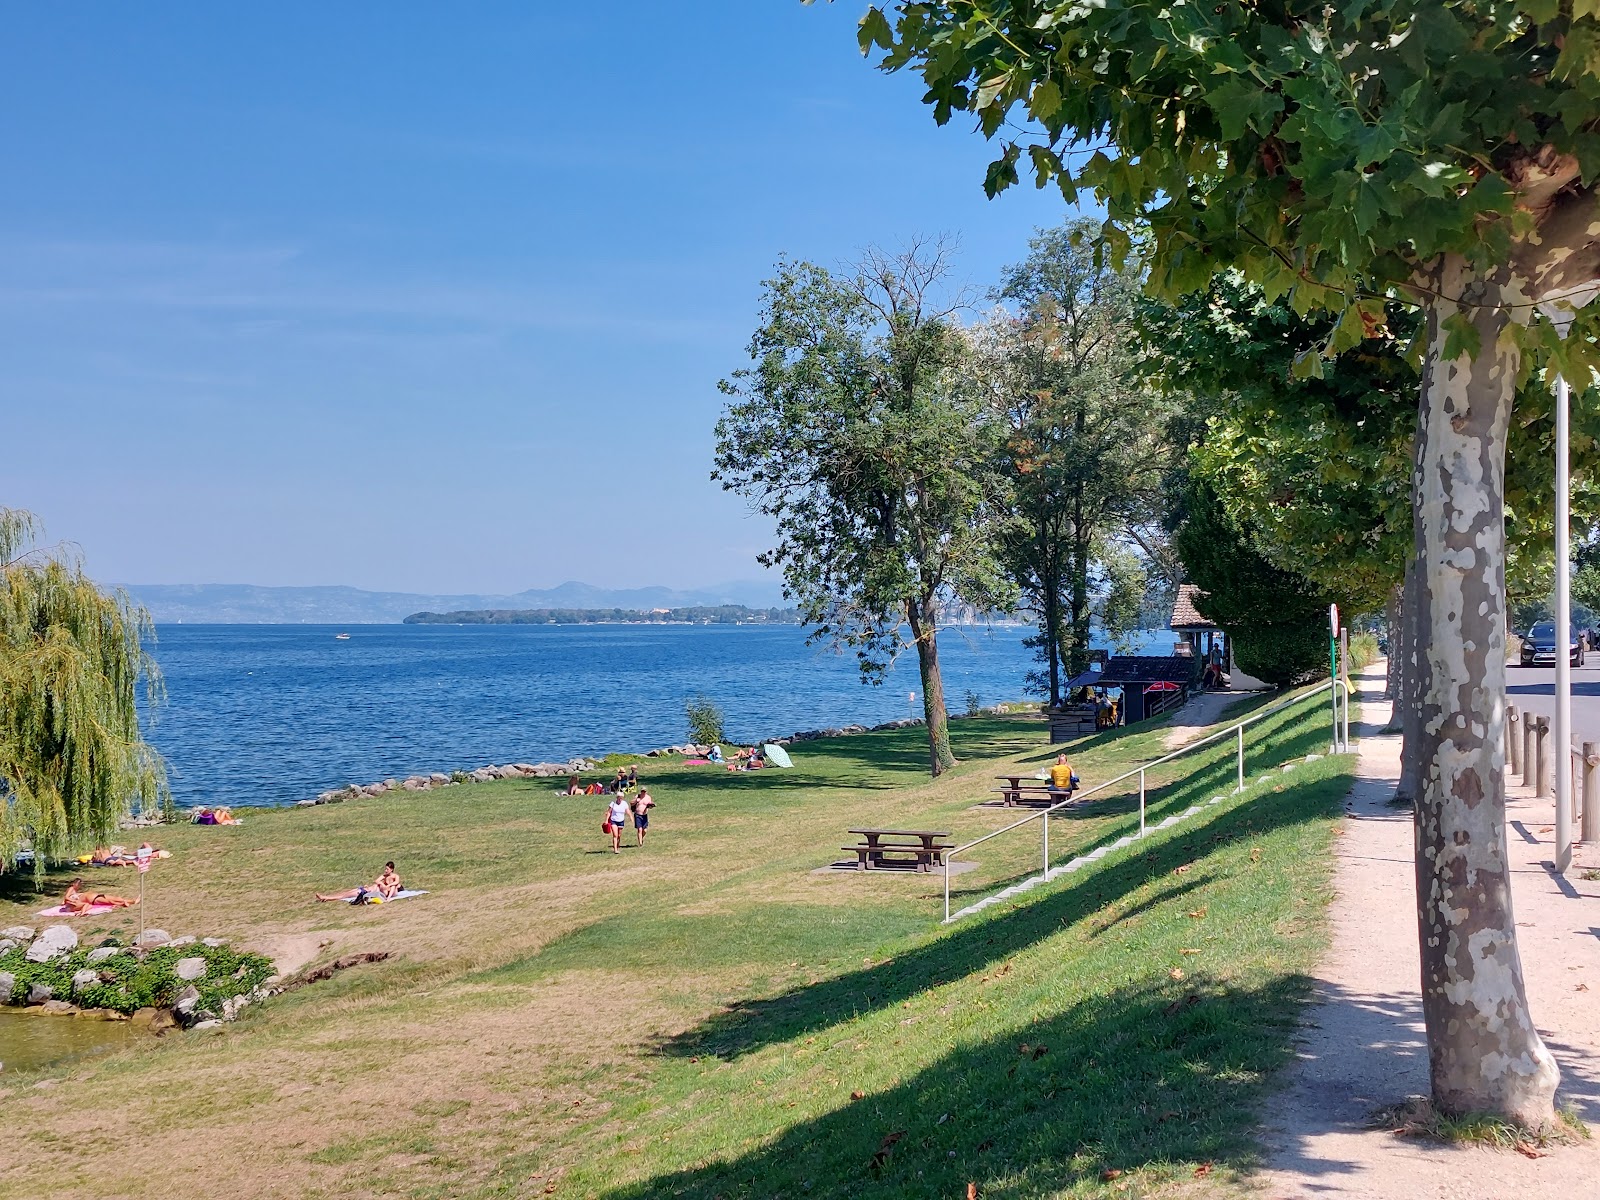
x=708 y=1016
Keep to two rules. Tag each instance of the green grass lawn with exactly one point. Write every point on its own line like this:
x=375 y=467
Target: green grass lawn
x=709 y=1015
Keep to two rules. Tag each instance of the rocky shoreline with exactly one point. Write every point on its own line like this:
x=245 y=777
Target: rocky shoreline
x=575 y=766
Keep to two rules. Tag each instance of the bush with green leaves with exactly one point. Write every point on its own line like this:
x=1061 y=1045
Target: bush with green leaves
x=705 y=721
x=132 y=979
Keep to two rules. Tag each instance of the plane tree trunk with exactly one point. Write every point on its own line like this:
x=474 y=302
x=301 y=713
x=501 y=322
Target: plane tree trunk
x=924 y=620
x=1485 y=1056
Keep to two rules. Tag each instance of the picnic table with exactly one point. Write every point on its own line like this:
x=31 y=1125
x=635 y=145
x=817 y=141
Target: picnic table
x=918 y=847
x=1035 y=793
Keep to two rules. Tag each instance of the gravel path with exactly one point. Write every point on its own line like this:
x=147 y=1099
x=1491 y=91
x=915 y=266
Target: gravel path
x=1363 y=1047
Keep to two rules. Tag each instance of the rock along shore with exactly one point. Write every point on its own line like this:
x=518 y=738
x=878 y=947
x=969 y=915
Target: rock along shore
x=575 y=766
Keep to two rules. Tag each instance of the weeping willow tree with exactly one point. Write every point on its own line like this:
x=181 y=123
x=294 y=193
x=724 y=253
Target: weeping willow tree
x=72 y=662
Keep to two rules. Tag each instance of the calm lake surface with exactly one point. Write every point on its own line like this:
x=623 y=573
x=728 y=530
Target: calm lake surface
x=270 y=714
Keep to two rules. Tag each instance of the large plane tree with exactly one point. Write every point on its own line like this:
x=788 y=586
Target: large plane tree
x=1339 y=155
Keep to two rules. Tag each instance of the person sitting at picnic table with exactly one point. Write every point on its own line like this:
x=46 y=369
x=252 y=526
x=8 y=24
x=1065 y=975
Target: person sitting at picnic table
x=1062 y=776
x=386 y=887
x=77 y=900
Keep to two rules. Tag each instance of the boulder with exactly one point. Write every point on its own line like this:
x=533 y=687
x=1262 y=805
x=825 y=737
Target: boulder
x=8 y=944
x=481 y=775
x=439 y=777
x=413 y=785
x=187 y=1003
x=38 y=993
x=103 y=953
x=20 y=933
x=84 y=979
x=306 y=803
x=8 y=984
x=153 y=937
x=52 y=943
x=189 y=969
x=208 y=1023
x=186 y=940
x=64 y=1008
x=213 y=942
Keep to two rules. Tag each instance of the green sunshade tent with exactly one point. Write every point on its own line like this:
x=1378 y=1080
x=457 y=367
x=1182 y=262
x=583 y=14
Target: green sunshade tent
x=777 y=756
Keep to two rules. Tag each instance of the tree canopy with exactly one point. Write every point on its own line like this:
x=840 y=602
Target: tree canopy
x=72 y=666
x=855 y=431
x=1340 y=158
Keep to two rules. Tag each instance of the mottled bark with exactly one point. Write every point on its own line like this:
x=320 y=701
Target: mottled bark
x=924 y=619
x=1391 y=666
x=1407 y=688
x=1485 y=1055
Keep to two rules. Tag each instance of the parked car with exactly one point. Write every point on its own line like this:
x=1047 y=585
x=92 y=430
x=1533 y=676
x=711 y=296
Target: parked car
x=1539 y=645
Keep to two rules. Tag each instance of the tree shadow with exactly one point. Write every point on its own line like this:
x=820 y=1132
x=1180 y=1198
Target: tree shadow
x=1151 y=1075
x=975 y=944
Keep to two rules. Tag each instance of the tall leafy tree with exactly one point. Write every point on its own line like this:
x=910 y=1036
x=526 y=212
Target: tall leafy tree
x=1084 y=443
x=855 y=431
x=72 y=666
x=1337 y=156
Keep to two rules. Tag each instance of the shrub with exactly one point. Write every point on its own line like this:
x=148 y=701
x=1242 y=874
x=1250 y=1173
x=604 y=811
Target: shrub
x=1284 y=655
x=1363 y=650
x=130 y=980
x=705 y=720
x=974 y=703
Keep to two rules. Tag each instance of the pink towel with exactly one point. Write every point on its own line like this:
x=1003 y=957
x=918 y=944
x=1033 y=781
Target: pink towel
x=62 y=911
x=696 y=762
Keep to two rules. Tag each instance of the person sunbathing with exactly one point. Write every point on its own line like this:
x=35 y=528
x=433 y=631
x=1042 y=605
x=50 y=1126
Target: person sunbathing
x=386 y=887
x=77 y=900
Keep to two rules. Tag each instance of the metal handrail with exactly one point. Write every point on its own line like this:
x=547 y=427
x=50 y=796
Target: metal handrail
x=1341 y=741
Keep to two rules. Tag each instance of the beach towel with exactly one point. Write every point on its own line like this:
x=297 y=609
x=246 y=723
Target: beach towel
x=696 y=762
x=402 y=894
x=92 y=910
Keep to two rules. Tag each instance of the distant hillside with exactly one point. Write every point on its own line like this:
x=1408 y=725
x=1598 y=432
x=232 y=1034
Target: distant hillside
x=244 y=604
x=719 y=614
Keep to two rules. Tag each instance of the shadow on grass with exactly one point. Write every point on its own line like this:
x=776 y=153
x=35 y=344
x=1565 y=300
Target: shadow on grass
x=972 y=946
x=1136 y=1077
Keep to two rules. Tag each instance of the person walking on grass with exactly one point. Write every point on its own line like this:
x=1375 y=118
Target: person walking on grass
x=642 y=804
x=616 y=818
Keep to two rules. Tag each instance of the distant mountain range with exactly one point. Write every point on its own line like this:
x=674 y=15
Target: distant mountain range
x=247 y=604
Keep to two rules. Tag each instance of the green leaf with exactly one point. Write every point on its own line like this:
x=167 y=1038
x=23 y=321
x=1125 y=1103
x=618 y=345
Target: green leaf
x=874 y=30
x=1308 y=364
x=1045 y=163
x=1046 y=100
x=1461 y=338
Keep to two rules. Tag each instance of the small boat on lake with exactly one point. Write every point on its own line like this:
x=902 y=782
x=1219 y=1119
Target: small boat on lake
x=341 y=637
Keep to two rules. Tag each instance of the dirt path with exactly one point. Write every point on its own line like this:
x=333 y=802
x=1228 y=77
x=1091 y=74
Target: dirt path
x=1203 y=711
x=1363 y=1045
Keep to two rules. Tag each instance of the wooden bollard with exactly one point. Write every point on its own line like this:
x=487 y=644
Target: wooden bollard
x=1590 y=828
x=1541 y=746
x=1513 y=738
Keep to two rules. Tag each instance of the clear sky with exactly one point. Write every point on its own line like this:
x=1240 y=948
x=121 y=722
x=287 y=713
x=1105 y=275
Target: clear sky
x=428 y=297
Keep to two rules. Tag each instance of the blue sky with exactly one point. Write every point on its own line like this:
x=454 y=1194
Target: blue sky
x=428 y=297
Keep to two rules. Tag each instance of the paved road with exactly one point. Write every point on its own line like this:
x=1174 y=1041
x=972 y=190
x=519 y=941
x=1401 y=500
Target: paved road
x=1533 y=689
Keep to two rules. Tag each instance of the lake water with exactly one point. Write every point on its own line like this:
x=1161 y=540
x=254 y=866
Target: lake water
x=30 y=1039
x=270 y=714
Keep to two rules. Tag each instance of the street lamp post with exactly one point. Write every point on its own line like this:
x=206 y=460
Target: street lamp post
x=1563 y=721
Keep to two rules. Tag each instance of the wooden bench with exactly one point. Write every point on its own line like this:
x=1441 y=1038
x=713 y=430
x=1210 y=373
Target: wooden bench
x=909 y=847
x=1035 y=793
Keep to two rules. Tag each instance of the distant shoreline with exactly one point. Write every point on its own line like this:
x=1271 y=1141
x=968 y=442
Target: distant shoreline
x=703 y=614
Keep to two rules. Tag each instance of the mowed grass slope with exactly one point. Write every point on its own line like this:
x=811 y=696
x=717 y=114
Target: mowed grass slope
x=708 y=1016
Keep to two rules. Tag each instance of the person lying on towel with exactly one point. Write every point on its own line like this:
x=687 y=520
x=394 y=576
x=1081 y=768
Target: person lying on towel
x=77 y=900
x=386 y=888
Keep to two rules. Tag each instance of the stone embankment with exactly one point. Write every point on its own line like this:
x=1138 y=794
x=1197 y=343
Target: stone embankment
x=577 y=766
x=159 y=981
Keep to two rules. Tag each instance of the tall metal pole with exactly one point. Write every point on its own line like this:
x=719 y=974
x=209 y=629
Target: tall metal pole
x=1563 y=722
